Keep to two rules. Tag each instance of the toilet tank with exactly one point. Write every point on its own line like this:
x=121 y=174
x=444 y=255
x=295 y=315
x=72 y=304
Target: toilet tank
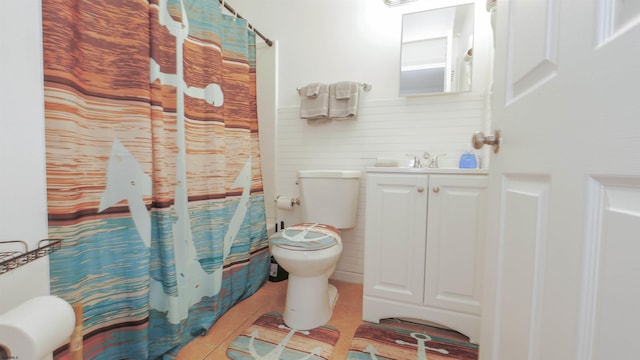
x=329 y=196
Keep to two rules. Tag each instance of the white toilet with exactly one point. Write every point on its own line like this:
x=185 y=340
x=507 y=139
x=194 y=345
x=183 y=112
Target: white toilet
x=310 y=251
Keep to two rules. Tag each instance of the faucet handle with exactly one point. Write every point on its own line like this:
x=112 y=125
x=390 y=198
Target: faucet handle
x=434 y=160
x=416 y=161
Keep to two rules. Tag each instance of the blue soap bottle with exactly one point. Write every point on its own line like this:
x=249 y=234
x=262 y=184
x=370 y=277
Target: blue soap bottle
x=468 y=161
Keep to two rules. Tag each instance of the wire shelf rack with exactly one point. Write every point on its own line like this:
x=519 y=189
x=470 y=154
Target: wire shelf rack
x=15 y=253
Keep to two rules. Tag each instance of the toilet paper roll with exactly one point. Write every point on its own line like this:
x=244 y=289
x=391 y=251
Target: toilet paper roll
x=285 y=202
x=33 y=329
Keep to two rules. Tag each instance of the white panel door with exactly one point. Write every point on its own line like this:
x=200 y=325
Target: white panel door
x=562 y=279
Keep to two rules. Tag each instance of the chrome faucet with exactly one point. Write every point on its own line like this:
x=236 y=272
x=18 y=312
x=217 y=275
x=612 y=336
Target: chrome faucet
x=417 y=163
x=434 y=161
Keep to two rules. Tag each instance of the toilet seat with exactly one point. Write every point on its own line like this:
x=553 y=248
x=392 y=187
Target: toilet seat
x=306 y=237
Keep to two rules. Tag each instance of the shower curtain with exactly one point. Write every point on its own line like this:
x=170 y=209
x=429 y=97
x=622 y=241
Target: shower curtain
x=153 y=170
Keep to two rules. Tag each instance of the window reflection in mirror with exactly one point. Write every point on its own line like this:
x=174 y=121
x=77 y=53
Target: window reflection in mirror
x=437 y=51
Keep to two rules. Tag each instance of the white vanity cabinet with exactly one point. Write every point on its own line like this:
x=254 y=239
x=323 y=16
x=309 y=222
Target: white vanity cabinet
x=424 y=233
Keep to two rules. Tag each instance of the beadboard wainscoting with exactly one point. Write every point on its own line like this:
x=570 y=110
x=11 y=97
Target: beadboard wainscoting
x=383 y=129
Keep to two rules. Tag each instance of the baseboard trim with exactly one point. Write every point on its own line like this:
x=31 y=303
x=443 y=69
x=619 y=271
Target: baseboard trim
x=347 y=276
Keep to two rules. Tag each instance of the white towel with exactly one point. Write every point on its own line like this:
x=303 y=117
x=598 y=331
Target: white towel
x=316 y=104
x=312 y=90
x=343 y=100
x=343 y=90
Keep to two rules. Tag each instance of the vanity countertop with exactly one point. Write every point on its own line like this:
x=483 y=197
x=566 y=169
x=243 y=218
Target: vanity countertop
x=410 y=170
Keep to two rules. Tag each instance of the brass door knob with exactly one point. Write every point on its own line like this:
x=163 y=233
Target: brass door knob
x=479 y=140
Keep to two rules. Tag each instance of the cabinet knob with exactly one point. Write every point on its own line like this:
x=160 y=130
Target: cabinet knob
x=420 y=189
x=436 y=189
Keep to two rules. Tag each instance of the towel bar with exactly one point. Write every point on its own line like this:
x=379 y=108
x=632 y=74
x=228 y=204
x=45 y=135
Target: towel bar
x=365 y=86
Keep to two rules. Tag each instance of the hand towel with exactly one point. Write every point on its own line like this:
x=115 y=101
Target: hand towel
x=316 y=105
x=312 y=90
x=343 y=90
x=341 y=105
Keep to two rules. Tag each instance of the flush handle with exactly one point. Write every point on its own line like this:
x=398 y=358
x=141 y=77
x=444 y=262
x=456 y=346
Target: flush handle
x=479 y=140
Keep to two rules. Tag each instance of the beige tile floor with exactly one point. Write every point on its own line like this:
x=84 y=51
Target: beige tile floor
x=347 y=316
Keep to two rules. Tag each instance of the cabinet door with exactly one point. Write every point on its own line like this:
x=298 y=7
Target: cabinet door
x=455 y=240
x=395 y=234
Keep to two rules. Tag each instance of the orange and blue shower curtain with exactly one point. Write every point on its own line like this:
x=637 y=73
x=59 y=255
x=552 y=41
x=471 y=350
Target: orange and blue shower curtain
x=153 y=170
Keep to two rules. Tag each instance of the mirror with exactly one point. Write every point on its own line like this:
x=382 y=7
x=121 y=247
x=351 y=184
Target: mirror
x=437 y=51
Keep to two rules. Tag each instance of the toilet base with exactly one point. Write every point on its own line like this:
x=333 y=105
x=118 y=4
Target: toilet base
x=310 y=302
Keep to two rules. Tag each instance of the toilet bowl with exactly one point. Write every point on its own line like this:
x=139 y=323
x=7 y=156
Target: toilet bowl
x=309 y=251
x=310 y=263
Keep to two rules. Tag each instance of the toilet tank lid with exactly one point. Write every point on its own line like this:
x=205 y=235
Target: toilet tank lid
x=348 y=174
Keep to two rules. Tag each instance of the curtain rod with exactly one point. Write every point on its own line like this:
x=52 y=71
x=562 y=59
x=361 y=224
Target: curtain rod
x=251 y=27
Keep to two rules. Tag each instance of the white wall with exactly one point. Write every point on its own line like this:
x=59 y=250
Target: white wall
x=333 y=40
x=266 y=82
x=23 y=210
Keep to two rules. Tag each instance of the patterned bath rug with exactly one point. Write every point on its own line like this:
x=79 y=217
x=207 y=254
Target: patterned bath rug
x=269 y=338
x=389 y=342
